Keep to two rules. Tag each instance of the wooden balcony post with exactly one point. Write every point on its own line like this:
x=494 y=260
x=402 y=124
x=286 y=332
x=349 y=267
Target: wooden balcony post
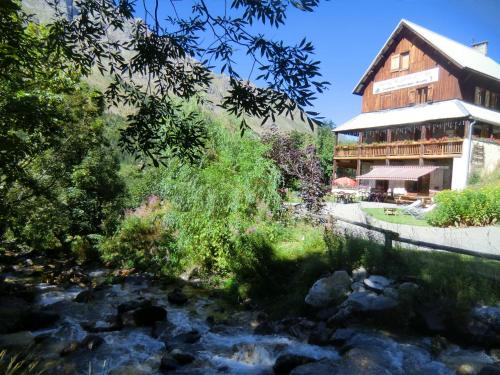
x=358 y=168
x=423 y=137
x=335 y=144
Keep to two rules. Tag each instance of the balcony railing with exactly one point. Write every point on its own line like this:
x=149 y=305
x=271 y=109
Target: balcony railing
x=398 y=149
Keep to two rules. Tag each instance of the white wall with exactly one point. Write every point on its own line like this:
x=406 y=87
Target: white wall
x=491 y=155
x=459 y=173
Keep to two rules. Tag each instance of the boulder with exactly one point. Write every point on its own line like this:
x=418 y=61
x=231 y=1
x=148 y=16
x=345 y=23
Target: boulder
x=12 y=310
x=465 y=362
x=320 y=335
x=329 y=290
x=368 y=301
x=358 y=286
x=84 y=296
x=359 y=274
x=133 y=305
x=432 y=316
x=17 y=341
x=70 y=348
x=177 y=297
x=408 y=287
x=91 y=342
x=264 y=328
x=128 y=370
x=181 y=357
x=489 y=370
x=35 y=320
x=168 y=364
x=484 y=325
x=377 y=283
x=323 y=367
x=341 y=335
x=188 y=337
x=391 y=293
x=148 y=315
x=285 y=363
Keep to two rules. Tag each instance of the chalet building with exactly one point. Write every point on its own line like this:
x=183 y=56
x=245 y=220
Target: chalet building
x=430 y=115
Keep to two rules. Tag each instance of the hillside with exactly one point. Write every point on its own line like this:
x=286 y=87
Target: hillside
x=42 y=13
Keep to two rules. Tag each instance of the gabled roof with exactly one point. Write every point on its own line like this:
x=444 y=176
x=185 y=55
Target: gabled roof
x=462 y=56
x=449 y=109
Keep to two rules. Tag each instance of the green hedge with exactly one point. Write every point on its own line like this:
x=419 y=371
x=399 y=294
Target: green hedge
x=469 y=207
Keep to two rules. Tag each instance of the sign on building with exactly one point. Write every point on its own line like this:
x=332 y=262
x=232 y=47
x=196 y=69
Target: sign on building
x=409 y=80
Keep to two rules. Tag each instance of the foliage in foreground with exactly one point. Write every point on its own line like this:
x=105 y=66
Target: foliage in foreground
x=469 y=207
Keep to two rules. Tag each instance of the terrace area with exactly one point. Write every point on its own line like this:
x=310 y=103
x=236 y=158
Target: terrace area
x=434 y=148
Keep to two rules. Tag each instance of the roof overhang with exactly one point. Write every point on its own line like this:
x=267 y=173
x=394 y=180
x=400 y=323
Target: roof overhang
x=431 y=112
x=397 y=173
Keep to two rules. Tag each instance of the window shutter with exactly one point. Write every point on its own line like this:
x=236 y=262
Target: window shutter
x=405 y=60
x=430 y=90
x=395 y=62
x=411 y=96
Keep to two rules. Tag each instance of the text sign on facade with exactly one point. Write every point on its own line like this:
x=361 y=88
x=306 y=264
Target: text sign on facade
x=409 y=80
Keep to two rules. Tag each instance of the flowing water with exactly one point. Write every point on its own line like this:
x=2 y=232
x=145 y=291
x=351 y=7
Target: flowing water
x=224 y=342
x=229 y=348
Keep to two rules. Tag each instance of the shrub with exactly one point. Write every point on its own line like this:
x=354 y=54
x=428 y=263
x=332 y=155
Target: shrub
x=470 y=207
x=141 y=242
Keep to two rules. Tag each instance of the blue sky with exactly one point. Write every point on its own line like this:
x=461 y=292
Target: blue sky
x=348 y=34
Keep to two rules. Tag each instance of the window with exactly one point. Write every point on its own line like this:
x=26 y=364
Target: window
x=422 y=95
x=400 y=62
x=479 y=96
x=394 y=63
x=405 y=60
x=487 y=99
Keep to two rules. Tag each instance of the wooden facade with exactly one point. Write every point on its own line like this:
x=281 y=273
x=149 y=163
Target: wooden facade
x=436 y=142
x=452 y=84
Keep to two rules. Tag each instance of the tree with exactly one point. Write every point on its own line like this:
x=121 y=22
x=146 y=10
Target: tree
x=175 y=61
x=325 y=144
x=297 y=163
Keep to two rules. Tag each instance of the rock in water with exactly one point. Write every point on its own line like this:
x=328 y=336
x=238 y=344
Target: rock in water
x=177 y=297
x=84 y=296
x=484 y=325
x=377 y=283
x=359 y=274
x=189 y=337
x=17 y=341
x=329 y=290
x=182 y=358
x=287 y=362
x=92 y=342
x=368 y=301
x=148 y=315
x=323 y=367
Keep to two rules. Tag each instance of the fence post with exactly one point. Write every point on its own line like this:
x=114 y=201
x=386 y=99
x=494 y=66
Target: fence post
x=389 y=236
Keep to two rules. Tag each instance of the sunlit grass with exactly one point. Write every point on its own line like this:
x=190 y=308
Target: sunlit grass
x=399 y=218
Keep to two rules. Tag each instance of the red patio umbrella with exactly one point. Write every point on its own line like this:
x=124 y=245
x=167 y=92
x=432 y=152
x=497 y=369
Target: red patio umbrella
x=345 y=181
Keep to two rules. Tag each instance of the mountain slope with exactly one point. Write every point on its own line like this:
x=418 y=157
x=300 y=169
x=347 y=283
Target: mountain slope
x=43 y=13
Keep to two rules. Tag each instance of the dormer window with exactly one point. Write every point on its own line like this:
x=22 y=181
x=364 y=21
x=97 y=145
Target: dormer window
x=400 y=62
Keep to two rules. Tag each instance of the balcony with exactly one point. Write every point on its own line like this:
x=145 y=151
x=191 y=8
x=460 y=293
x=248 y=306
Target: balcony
x=401 y=150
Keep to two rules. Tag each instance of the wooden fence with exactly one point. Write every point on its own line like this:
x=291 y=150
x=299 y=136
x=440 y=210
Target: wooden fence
x=390 y=236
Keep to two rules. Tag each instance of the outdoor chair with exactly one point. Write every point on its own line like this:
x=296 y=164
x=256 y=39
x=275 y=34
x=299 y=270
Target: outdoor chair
x=412 y=209
x=423 y=211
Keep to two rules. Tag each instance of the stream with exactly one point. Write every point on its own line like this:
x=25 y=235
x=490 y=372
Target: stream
x=217 y=338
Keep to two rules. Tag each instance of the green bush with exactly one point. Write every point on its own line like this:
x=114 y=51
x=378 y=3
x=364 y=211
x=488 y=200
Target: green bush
x=141 y=242
x=213 y=205
x=469 y=207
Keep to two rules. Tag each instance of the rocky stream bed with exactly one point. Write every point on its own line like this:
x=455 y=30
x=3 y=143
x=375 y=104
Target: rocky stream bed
x=140 y=326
